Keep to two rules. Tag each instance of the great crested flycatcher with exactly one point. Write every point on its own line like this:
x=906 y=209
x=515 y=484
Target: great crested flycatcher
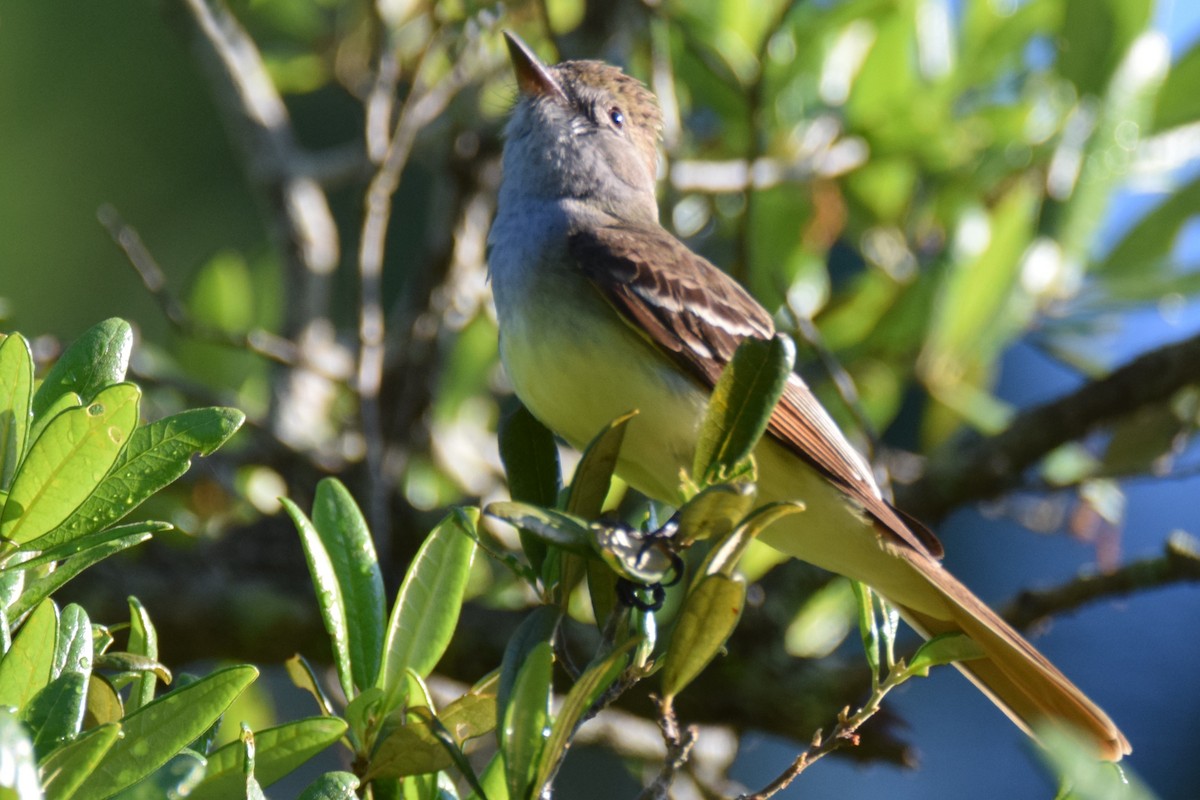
x=602 y=311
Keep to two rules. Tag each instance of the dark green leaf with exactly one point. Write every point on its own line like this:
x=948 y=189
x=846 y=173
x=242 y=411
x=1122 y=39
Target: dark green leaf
x=537 y=628
x=347 y=541
x=1178 y=101
x=741 y=405
x=16 y=395
x=173 y=779
x=55 y=714
x=331 y=786
x=97 y=359
x=159 y=730
x=530 y=459
x=427 y=607
x=158 y=454
x=1095 y=35
x=593 y=476
x=68 y=461
x=278 y=751
x=525 y=721
x=1154 y=236
x=73 y=648
x=709 y=615
x=556 y=527
x=88 y=541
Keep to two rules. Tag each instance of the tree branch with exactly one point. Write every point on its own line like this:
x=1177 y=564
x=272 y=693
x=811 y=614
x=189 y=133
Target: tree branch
x=987 y=467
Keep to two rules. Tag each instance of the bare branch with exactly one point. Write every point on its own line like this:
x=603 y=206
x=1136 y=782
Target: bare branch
x=989 y=466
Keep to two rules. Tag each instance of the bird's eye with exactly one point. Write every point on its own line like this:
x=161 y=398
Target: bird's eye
x=616 y=117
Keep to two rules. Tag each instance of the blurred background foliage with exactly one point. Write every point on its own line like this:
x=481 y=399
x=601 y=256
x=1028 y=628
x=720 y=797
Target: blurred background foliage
x=922 y=187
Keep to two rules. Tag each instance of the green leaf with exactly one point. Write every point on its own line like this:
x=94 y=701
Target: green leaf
x=303 y=676
x=559 y=528
x=121 y=661
x=159 y=730
x=741 y=405
x=492 y=781
x=73 y=648
x=408 y=749
x=347 y=541
x=67 y=767
x=1095 y=35
x=725 y=555
x=868 y=627
x=530 y=459
x=143 y=641
x=329 y=594
x=715 y=511
x=525 y=721
x=1178 y=101
x=945 y=648
x=19 y=778
x=41 y=421
x=103 y=703
x=42 y=588
x=593 y=476
x=471 y=715
x=278 y=751
x=25 y=669
x=55 y=714
x=94 y=361
x=1149 y=242
x=158 y=454
x=16 y=395
x=536 y=629
x=332 y=786
x=65 y=550
x=430 y=599
x=709 y=615
x=591 y=685
x=173 y=779
x=68 y=461
x=822 y=622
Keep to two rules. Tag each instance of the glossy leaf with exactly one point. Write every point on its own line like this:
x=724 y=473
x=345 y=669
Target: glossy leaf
x=66 y=768
x=725 y=555
x=430 y=599
x=82 y=544
x=16 y=395
x=709 y=615
x=26 y=668
x=68 y=461
x=332 y=786
x=741 y=405
x=143 y=641
x=97 y=359
x=590 y=686
x=559 y=528
x=347 y=541
x=157 y=731
x=530 y=459
x=526 y=720
x=277 y=751
x=158 y=454
x=73 y=647
x=55 y=714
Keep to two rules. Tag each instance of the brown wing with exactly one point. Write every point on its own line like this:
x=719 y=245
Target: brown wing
x=698 y=316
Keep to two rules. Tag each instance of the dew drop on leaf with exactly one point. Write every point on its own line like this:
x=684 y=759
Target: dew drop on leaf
x=96 y=409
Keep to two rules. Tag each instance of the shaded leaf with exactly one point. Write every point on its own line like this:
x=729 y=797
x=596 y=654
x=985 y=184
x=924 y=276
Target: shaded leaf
x=709 y=615
x=332 y=786
x=531 y=463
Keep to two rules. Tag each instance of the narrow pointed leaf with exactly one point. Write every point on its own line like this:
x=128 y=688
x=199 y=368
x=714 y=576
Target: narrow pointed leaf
x=66 y=768
x=55 y=714
x=593 y=476
x=65 y=550
x=16 y=395
x=25 y=669
x=710 y=613
x=143 y=641
x=583 y=695
x=159 y=730
x=536 y=629
x=724 y=557
x=526 y=720
x=44 y=587
x=430 y=599
x=303 y=677
x=559 y=528
x=347 y=540
x=530 y=459
x=97 y=359
x=741 y=405
x=158 y=454
x=68 y=461
x=73 y=648
x=278 y=751
x=329 y=593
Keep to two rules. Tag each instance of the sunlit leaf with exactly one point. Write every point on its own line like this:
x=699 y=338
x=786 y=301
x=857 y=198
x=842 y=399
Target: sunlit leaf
x=26 y=668
x=944 y=649
x=16 y=395
x=97 y=359
x=66 y=768
x=526 y=720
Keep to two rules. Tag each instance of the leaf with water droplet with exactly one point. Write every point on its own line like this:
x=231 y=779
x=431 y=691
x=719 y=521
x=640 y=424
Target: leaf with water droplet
x=96 y=360
x=66 y=463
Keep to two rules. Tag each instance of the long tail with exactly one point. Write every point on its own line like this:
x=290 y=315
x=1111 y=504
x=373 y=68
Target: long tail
x=1017 y=678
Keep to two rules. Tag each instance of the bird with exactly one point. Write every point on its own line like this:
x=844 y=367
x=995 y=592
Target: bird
x=601 y=311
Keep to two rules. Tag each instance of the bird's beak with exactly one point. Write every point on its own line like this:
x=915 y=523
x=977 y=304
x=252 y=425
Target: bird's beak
x=533 y=78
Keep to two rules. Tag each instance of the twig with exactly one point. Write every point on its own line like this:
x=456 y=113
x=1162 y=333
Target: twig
x=679 y=744
x=260 y=342
x=989 y=466
x=1180 y=563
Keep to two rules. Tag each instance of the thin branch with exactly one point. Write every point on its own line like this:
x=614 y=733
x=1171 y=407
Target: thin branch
x=989 y=466
x=679 y=743
x=1180 y=563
